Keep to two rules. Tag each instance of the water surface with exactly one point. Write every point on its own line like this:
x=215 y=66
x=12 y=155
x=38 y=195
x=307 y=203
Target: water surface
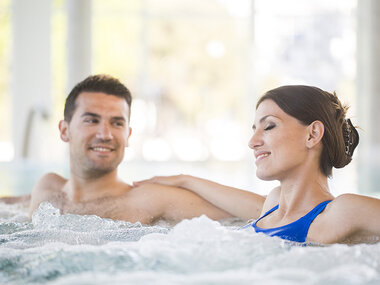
x=74 y=249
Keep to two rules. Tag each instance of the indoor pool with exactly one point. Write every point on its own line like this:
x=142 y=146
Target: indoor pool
x=73 y=249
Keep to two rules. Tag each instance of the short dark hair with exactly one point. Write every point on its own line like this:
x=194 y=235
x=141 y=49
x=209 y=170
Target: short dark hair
x=308 y=104
x=96 y=83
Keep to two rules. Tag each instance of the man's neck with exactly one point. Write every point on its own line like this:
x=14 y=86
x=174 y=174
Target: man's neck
x=82 y=188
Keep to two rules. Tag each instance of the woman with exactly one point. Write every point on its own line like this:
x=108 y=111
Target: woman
x=300 y=133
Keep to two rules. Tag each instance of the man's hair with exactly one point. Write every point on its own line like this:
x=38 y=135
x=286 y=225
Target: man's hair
x=96 y=83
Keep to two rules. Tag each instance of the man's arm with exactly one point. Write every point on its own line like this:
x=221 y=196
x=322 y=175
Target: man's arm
x=24 y=199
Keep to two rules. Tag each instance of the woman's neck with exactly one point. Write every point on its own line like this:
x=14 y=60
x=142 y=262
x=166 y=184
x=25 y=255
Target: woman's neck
x=303 y=192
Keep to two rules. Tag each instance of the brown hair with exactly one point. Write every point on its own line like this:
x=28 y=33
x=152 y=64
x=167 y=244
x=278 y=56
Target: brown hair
x=96 y=83
x=308 y=104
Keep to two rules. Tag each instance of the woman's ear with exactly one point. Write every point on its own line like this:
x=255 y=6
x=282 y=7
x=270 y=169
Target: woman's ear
x=64 y=130
x=315 y=133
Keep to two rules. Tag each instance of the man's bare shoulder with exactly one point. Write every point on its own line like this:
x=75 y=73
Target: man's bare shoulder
x=46 y=189
x=159 y=192
x=50 y=182
x=174 y=203
x=23 y=199
x=133 y=204
x=152 y=194
x=156 y=198
x=150 y=188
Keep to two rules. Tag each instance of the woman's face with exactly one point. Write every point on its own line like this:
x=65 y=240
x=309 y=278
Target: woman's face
x=279 y=143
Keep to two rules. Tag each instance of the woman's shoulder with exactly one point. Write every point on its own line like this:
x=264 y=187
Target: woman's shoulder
x=342 y=206
x=351 y=218
x=349 y=206
x=349 y=200
x=271 y=200
x=353 y=206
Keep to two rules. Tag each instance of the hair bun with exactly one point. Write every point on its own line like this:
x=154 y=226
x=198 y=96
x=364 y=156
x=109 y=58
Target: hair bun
x=351 y=137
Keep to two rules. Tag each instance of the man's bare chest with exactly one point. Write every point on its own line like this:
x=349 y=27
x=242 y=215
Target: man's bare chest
x=116 y=208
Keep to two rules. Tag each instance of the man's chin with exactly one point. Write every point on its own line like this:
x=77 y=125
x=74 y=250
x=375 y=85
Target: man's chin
x=100 y=169
x=98 y=172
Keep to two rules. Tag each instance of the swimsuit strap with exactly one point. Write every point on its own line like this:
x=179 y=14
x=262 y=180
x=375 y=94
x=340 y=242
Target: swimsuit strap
x=295 y=231
x=315 y=212
x=266 y=214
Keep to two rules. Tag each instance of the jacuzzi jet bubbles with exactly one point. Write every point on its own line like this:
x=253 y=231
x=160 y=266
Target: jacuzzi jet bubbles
x=71 y=249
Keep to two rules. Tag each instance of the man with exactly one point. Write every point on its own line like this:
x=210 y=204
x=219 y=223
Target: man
x=96 y=127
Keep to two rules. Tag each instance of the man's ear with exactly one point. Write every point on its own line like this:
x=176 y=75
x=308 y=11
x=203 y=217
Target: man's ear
x=315 y=133
x=129 y=135
x=64 y=130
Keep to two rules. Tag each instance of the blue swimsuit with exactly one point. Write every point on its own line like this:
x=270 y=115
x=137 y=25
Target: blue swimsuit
x=296 y=231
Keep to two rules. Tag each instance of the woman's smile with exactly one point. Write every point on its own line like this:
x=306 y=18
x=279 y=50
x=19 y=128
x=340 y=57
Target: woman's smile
x=260 y=155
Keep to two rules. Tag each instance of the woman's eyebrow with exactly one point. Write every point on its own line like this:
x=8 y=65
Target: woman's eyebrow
x=261 y=120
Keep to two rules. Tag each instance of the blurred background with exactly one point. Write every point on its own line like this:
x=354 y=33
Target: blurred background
x=195 y=69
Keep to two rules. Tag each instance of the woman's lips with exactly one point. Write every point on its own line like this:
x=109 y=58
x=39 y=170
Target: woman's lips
x=261 y=155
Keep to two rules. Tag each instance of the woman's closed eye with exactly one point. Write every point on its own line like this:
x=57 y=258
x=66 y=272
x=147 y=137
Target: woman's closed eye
x=269 y=127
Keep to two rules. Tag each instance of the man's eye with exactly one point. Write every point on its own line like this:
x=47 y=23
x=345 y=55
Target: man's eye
x=91 y=121
x=119 y=124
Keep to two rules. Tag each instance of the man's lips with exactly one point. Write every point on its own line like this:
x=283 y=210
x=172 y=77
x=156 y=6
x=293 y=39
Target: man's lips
x=103 y=149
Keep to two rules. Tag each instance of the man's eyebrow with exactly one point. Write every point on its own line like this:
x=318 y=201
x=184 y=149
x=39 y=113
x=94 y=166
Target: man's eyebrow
x=119 y=118
x=262 y=120
x=90 y=114
x=116 y=118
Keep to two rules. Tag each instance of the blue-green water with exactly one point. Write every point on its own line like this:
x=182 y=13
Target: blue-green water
x=73 y=249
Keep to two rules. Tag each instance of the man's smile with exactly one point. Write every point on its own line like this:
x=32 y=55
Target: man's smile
x=102 y=149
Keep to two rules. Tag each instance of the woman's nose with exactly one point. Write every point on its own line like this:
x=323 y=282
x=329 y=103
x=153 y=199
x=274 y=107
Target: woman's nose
x=255 y=141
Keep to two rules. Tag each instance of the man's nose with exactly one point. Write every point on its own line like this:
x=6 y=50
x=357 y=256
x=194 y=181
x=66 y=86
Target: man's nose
x=104 y=132
x=255 y=141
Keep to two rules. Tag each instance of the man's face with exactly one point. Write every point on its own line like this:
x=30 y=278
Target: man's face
x=97 y=133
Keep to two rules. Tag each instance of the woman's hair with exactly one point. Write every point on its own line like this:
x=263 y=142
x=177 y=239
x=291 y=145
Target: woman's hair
x=308 y=104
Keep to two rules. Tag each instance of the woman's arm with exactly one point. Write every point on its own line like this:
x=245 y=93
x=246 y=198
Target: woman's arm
x=243 y=204
x=367 y=218
x=359 y=218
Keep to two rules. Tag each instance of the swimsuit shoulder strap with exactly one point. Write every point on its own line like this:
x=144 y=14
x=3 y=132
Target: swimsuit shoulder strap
x=295 y=231
x=266 y=214
x=309 y=217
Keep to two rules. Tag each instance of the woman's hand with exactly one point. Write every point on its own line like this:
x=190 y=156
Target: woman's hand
x=174 y=180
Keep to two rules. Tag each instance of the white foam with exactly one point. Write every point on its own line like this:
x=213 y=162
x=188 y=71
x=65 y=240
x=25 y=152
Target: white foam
x=73 y=249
